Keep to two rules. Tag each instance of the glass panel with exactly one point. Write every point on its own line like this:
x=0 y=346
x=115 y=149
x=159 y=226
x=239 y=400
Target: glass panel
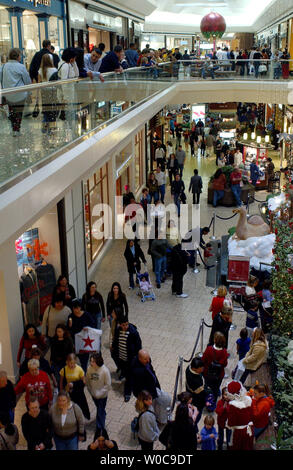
x=5 y=35
x=30 y=35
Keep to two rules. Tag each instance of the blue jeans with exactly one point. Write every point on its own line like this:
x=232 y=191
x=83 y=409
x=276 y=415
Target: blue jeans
x=101 y=412
x=236 y=190
x=256 y=67
x=66 y=444
x=131 y=281
x=154 y=195
x=177 y=202
x=218 y=194
x=162 y=191
x=181 y=167
x=84 y=358
x=160 y=268
x=277 y=72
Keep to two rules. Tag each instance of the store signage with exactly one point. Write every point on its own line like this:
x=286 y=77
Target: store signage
x=46 y=3
x=221 y=106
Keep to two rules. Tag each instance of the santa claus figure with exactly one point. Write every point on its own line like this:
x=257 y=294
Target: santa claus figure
x=240 y=417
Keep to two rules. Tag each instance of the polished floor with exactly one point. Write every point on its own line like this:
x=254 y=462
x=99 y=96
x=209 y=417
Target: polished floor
x=168 y=327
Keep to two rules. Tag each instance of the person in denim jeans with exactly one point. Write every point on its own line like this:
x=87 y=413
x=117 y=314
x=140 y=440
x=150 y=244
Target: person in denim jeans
x=277 y=66
x=159 y=251
x=219 y=182
x=235 y=179
x=98 y=382
x=153 y=187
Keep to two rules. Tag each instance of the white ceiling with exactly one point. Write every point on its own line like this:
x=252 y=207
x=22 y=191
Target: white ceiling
x=186 y=15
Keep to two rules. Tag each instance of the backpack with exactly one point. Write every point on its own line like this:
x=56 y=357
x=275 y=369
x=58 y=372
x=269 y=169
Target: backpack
x=54 y=76
x=135 y=422
x=214 y=371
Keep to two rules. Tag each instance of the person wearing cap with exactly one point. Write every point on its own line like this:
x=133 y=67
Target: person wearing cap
x=78 y=320
x=125 y=347
x=240 y=417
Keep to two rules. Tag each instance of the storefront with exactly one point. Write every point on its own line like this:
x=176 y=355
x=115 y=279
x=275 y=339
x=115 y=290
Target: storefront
x=38 y=256
x=89 y=26
x=96 y=192
x=26 y=23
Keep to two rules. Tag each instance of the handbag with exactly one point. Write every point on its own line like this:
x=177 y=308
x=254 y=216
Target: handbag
x=262 y=68
x=84 y=433
x=214 y=370
x=166 y=435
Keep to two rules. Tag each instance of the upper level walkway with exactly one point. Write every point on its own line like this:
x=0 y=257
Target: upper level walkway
x=81 y=122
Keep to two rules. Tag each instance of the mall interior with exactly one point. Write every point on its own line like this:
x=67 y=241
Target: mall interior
x=213 y=87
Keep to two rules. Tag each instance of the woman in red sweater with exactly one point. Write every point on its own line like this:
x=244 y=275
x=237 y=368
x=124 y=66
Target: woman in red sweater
x=218 y=186
x=30 y=337
x=218 y=301
x=36 y=384
x=262 y=403
x=215 y=359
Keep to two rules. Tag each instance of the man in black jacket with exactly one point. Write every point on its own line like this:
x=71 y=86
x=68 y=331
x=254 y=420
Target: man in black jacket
x=125 y=347
x=195 y=186
x=36 y=427
x=222 y=323
x=37 y=59
x=177 y=191
x=143 y=376
x=179 y=268
x=195 y=384
x=7 y=396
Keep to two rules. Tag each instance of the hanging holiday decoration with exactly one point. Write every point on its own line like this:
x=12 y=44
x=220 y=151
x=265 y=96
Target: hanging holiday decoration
x=213 y=25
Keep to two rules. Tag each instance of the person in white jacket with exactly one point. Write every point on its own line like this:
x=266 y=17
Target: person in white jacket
x=98 y=382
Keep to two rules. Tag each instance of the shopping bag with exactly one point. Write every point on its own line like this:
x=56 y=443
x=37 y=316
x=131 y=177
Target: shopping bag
x=88 y=340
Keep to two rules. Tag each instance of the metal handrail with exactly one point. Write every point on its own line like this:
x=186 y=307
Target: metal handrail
x=181 y=360
x=37 y=86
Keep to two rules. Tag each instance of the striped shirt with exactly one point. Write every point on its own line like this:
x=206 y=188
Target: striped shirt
x=122 y=345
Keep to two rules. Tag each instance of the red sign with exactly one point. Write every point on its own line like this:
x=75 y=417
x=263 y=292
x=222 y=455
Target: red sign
x=238 y=268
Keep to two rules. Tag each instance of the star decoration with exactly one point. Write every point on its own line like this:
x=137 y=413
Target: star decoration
x=88 y=342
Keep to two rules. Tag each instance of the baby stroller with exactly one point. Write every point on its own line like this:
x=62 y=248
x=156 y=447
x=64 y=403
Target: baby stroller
x=149 y=294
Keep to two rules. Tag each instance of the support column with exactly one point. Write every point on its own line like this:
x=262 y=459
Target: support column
x=11 y=320
x=43 y=20
x=16 y=27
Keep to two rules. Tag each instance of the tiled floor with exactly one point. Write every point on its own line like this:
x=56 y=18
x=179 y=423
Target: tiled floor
x=168 y=327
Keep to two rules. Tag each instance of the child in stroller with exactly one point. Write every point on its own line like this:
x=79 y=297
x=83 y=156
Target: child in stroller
x=145 y=287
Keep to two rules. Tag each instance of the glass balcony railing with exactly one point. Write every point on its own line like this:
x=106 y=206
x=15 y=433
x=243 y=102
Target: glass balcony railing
x=39 y=121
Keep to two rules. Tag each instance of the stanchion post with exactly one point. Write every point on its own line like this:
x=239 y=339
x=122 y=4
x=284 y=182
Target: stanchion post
x=201 y=339
x=180 y=373
x=214 y=223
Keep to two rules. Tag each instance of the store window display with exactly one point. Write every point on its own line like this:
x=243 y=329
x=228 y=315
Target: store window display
x=30 y=35
x=96 y=192
x=5 y=35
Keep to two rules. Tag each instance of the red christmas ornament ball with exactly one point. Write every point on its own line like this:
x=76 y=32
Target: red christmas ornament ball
x=213 y=24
